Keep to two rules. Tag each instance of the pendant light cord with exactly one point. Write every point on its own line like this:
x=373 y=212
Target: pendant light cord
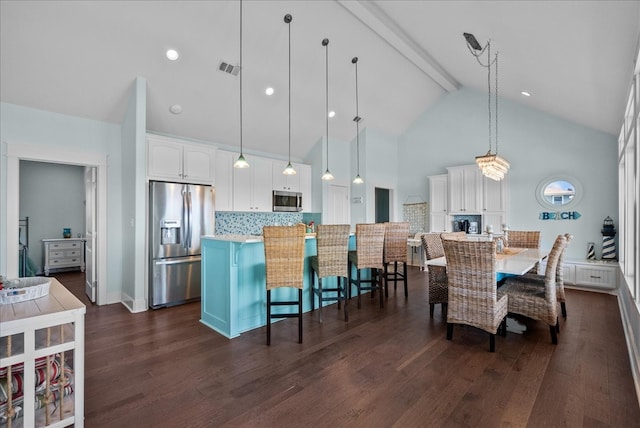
x=289 y=25
x=355 y=61
x=326 y=86
x=241 y=73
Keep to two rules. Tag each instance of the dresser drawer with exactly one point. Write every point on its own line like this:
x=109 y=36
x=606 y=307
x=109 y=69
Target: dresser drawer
x=57 y=246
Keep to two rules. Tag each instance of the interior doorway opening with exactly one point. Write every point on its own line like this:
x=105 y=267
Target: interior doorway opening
x=382 y=205
x=20 y=152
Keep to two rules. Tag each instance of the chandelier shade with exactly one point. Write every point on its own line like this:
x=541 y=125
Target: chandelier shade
x=493 y=166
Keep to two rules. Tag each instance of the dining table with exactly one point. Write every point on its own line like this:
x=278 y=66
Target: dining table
x=511 y=261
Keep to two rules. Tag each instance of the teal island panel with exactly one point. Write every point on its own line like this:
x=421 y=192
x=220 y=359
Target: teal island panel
x=234 y=292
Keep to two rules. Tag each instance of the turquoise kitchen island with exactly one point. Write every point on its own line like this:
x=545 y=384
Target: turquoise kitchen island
x=234 y=293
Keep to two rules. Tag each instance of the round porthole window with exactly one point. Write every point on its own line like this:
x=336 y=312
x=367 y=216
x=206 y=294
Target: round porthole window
x=559 y=192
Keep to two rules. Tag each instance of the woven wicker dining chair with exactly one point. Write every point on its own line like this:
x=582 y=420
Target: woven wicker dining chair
x=396 y=235
x=535 y=303
x=458 y=236
x=368 y=255
x=538 y=280
x=473 y=298
x=524 y=239
x=284 y=267
x=438 y=291
x=332 y=259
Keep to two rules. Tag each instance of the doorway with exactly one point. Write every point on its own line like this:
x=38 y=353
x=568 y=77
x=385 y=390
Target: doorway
x=382 y=205
x=18 y=152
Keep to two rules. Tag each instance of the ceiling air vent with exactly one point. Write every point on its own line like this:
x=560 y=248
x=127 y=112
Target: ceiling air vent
x=228 y=68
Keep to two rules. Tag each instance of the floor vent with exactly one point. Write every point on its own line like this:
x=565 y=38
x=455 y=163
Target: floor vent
x=228 y=68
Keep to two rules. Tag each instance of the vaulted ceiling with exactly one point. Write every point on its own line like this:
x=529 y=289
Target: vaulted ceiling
x=80 y=58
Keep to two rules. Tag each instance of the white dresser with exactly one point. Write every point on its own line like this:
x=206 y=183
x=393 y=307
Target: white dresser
x=63 y=253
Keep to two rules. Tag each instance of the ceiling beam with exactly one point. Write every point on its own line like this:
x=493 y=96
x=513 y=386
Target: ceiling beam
x=381 y=24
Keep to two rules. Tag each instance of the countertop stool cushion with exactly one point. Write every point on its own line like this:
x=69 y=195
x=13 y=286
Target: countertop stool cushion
x=284 y=267
x=368 y=255
x=332 y=249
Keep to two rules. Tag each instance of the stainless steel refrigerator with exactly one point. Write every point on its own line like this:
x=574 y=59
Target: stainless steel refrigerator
x=178 y=215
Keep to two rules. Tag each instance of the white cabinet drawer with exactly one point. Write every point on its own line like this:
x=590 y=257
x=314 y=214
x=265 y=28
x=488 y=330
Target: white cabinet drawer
x=65 y=245
x=603 y=277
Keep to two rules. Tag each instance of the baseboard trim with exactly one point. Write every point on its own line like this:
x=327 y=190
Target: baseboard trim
x=624 y=301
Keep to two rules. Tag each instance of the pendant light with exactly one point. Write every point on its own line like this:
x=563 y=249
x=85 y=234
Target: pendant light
x=492 y=165
x=357 y=119
x=241 y=162
x=289 y=170
x=325 y=42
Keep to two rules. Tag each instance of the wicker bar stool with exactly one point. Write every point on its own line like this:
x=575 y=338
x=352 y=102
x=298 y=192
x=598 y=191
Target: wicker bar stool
x=438 y=291
x=396 y=235
x=284 y=267
x=532 y=302
x=332 y=259
x=473 y=298
x=368 y=255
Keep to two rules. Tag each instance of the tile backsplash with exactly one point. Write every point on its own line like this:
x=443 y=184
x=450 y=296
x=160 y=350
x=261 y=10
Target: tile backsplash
x=245 y=223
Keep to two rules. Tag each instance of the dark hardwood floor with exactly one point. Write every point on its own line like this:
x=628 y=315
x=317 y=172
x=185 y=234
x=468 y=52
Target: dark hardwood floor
x=385 y=367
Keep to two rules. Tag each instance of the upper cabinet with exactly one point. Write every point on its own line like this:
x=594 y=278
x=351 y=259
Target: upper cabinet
x=170 y=159
x=465 y=189
x=290 y=183
x=300 y=182
x=494 y=194
x=438 y=203
x=224 y=180
x=252 y=186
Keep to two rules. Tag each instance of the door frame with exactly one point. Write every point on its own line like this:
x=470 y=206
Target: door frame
x=28 y=152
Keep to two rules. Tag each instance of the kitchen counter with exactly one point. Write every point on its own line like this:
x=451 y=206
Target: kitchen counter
x=234 y=291
x=246 y=239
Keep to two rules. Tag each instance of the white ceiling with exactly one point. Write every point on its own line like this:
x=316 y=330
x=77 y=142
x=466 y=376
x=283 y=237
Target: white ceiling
x=80 y=58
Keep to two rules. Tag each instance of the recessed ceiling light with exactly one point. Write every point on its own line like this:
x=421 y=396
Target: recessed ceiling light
x=173 y=54
x=269 y=91
x=525 y=93
x=175 y=109
x=332 y=113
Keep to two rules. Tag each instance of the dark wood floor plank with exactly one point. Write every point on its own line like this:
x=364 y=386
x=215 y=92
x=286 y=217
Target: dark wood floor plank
x=385 y=367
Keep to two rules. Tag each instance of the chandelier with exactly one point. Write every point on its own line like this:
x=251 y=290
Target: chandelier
x=492 y=165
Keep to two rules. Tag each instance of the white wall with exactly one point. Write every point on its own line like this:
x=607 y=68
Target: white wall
x=25 y=126
x=52 y=196
x=536 y=144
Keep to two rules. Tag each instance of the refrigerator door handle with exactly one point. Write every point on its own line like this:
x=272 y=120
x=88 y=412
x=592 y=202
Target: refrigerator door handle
x=190 y=214
x=185 y=221
x=178 y=261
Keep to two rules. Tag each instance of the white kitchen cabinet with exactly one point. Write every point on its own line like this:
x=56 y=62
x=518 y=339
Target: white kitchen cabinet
x=465 y=189
x=290 y=183
x=33 y=334
x=494 y=203
x=63 y=253
x=588 y=273
x=304 y=172
x=224 y=180
x=175 y=160
x=597 y=274
x=438 y=203
x=252 y=186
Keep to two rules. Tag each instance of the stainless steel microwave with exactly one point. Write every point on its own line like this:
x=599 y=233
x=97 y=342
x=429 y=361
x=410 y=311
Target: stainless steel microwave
x=287 y=201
